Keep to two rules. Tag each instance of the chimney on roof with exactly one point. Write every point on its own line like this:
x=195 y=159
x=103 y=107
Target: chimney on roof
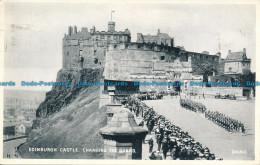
x=75 y=30
x=70 y=30
x=219 y=55
x=229 y=51
x=172 y=42
x=244 y=50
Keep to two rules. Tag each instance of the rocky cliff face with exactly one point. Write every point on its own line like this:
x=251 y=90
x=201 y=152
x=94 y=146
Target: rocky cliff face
x=71 y=120
x=61 y=96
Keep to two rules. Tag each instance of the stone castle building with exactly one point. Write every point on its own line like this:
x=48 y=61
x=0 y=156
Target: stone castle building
x=237 y=63
x=91 y=45
x=150 y=58
x=150 y=62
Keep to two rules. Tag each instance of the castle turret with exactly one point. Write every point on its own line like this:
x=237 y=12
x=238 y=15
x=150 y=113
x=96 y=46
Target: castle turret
x=111 y=26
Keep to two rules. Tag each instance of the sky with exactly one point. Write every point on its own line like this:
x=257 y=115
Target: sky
x=34 y=31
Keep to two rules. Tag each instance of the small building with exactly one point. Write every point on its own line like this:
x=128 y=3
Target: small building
x=13 y=130
x=237 y=63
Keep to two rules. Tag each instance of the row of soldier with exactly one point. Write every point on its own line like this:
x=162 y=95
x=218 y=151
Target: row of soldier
x=171 y=140
x=224 y=121
x=218 y=118
x=192 y=105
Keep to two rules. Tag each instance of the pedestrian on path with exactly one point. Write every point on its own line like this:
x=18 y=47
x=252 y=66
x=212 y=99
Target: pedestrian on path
x=165 y=148
x=150 y=142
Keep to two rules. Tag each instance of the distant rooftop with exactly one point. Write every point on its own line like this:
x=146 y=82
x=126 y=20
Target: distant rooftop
x=241 y=55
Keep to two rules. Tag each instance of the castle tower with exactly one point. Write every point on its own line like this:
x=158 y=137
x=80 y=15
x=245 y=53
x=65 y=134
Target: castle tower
x=111 y=26
x=123 y=137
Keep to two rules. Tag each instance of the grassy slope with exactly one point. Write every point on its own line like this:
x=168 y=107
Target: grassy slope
x=75 y=126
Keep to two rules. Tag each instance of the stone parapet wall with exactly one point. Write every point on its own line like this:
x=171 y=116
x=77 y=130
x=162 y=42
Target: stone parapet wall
x=144 y=47
x=237 y=91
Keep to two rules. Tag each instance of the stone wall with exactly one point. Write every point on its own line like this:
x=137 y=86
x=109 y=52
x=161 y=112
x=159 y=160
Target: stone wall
x=135 y=60
x=94 y=56
x=237 y=91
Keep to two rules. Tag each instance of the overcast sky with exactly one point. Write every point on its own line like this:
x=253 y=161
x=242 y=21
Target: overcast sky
x=34 y=31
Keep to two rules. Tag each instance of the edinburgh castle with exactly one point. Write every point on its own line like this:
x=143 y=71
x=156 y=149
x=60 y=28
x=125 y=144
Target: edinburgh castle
x=150 y=58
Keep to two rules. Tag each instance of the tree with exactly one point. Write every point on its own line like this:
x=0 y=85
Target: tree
x=206 y=69
x=248 y=77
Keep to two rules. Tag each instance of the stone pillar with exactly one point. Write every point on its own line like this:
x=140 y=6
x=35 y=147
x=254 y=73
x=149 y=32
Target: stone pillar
x=123 y=137
x=111 y=93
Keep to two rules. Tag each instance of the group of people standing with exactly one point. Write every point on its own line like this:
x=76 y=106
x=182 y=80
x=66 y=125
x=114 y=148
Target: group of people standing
x=224 y=121
x=171 y=140
x=218 y=118
x=192 y=105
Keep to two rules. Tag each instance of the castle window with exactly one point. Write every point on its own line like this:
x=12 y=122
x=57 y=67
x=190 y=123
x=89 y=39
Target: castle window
x=68 y=53
x=95 y=60
x=213 y=58
x=95 y=51
x=80 y=44
x=200 y=56
x=108 y=37
x=102 y=37
x=115 y=37
x=162 y=57
x=187 y=57
x=207 y=57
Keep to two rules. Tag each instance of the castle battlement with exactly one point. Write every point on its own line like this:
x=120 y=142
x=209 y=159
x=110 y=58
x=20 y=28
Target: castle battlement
x=143 y=47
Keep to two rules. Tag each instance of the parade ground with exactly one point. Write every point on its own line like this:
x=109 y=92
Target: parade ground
x=226 y=145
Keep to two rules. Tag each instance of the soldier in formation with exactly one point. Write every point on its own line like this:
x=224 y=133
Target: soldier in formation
x=224 y=121
x=218 y=118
